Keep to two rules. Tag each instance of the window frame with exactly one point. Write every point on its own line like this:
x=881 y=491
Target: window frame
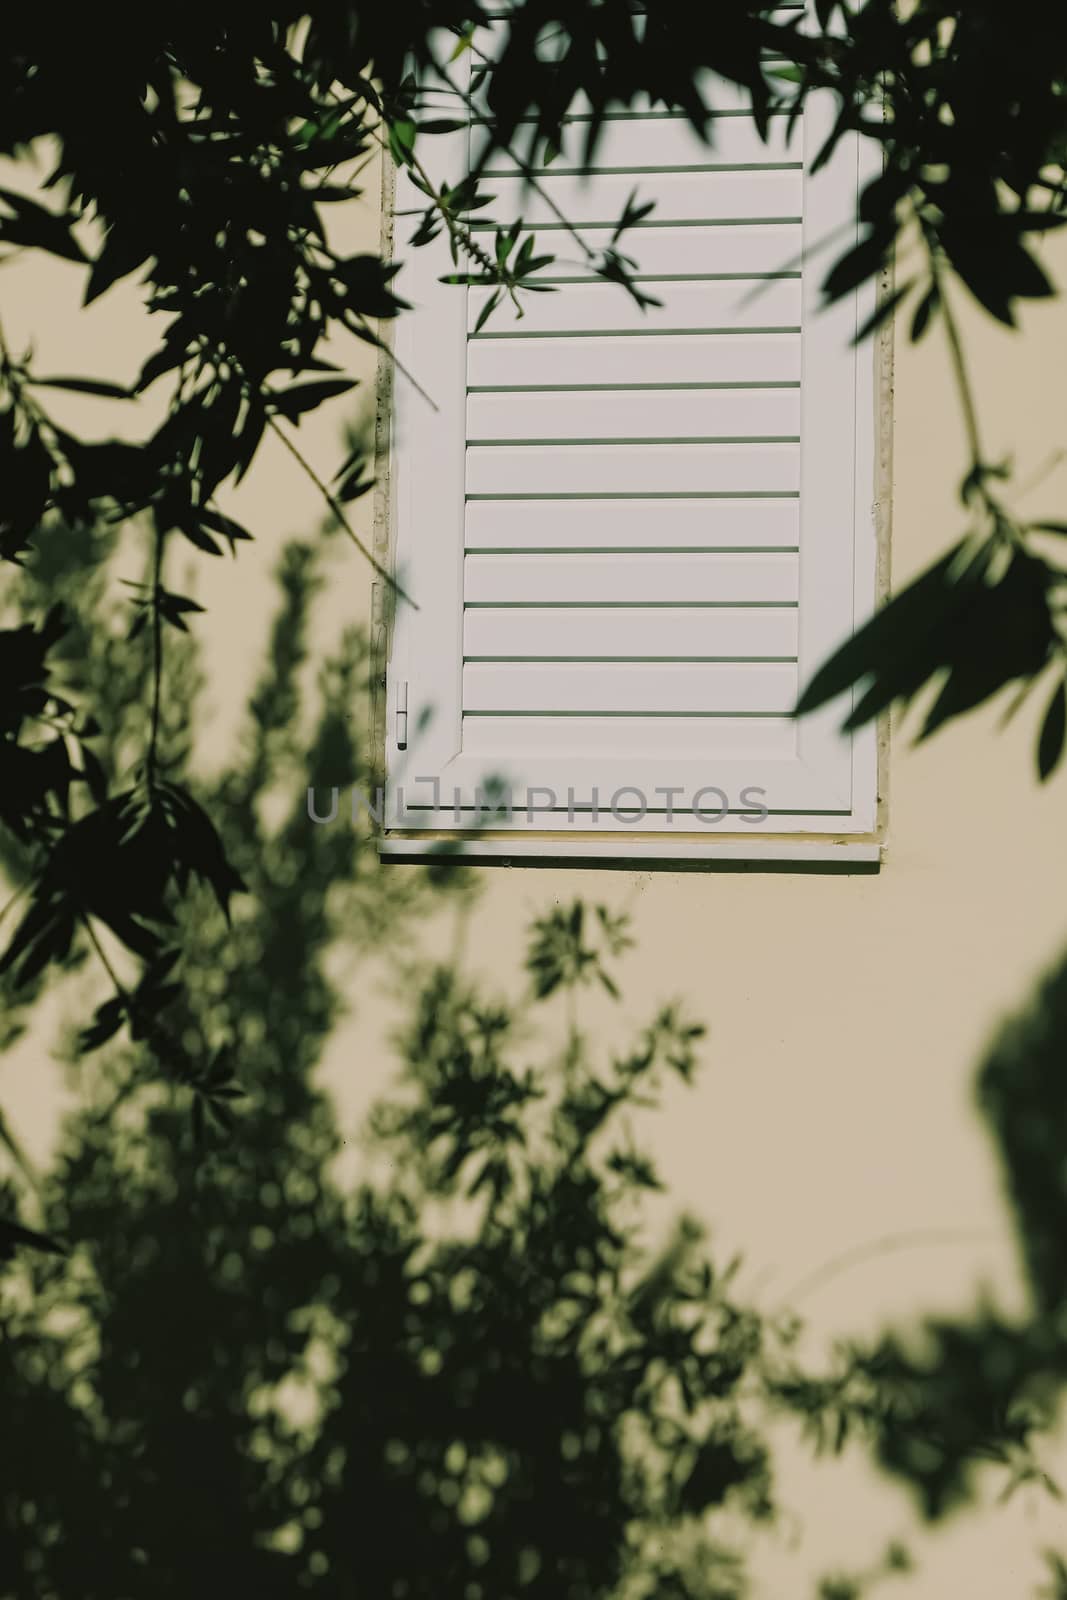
x=427 y=473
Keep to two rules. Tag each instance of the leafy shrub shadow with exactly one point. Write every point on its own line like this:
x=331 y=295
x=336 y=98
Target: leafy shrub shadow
x=469 y=1380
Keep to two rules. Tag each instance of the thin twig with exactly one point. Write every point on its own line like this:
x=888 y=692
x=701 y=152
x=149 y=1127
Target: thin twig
x=119 y=1098
x=368 y=332
x=157 y=659
x=337 y=509
x=133 y=1082
x=524 y=166
x=1039 y=474
x=13 y=900
x=959 y=367
x=18 y=1154
x=380 y=344
x=105 y=959
x=888 y=1244
x=459 y=232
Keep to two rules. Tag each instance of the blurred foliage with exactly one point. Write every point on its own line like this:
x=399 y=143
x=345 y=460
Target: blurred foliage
x=207 y=157
x=1056 y=1589
x=236 y=1344
x=896 y=1563
x=957 y=1407
x=470 y=1377
x=229 y=1365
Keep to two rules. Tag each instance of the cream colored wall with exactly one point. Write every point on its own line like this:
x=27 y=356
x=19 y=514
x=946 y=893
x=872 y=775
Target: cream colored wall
x=847 y=1014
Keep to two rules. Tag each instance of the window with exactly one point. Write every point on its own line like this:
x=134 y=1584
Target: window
x=632 y=536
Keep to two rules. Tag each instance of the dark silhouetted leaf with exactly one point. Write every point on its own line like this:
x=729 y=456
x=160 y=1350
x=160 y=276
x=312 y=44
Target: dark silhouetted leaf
x=14 y=1236
x=294 y=403
x=927 y=309
x=123 y=253
x=1053 y=731
x=109 y=391
x=34 y=225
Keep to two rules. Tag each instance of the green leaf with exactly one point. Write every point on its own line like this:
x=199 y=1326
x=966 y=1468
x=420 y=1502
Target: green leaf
x=857 y=265
x=1037 y=221
x=107 y=1020
x=34 y=226
x=366 y=279
x=199 y=536
x=303 y=397
x=218 y=451
x=121 y=255
x=402 y=136
x=13 y=1234
x=174 y=608
x=465 y=42
x=109 y=391
x=252 y=433
x=927 y=309
x=487 y=310
x=633 y=213
x=914 y=614
x=231 y=531
x=1053 y=733
x=354 y=486
x=883 y=311
x=171 y=354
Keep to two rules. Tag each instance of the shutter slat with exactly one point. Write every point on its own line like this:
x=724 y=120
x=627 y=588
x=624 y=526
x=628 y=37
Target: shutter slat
x=689 y=358
x=659 y=414
x=631 y=580
x=660 y=142
x=752 y=251
x=614 y=524
x=679 y=196
x=622 y=469
x=767 y=738
x=719 y=95
x=655 y=687
x=593 y=633
x=607 y=307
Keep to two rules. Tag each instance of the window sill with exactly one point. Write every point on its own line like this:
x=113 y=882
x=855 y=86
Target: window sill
x=770 y=855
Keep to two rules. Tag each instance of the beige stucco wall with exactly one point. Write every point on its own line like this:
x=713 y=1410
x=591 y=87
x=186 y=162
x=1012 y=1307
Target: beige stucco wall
x=847 y=1015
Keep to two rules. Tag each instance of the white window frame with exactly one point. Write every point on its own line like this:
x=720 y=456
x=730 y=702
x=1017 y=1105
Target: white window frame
x=833 y=780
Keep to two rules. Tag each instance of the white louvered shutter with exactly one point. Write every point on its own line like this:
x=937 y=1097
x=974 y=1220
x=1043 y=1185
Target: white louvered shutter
x=631 y=536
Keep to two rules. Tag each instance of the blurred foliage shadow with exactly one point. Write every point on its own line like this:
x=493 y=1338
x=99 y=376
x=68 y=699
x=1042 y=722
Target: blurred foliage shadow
x=467 y=1381
x=952 y=1396
x=461 y=1375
